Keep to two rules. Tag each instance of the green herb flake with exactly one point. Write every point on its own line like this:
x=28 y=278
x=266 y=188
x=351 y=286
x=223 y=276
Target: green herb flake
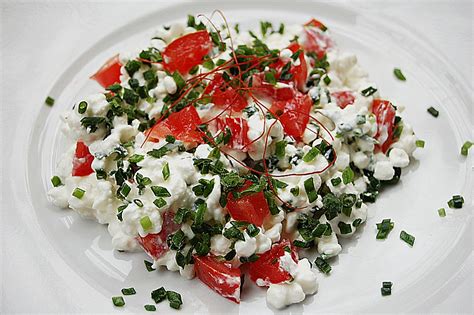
x=311 y=155
x=347 y=175
x=56 y=181
x=49 y=101
x=124 y=190
x=433 y=111
x=336 y=181
x=149 y=266
x=118 y=301
x=322 y=265
x=158 y=295
x=407 y=238
x=78 y=193
x=82 y=107
x=465 y=148
x=344 y=228
x=170 y=139
x=386 y=288
x=128 y=291
x=456 y=202
x=178 y=79
x=175 y=299
x=398 y=73
x=270 y=78
x=136 y=158
x=160 y=191
x=160 y=202
x=327 y=80
x=280 y=147
x=146 y=223
x=150 y=308
x=368 y=91
x=442 y=212
x=420 y=143
x=166 y=171
x=384 y=229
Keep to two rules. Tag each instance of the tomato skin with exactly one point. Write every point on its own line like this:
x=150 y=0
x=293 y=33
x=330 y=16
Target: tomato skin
x=300 y=72
x=239 y=129
x=155 y=244
x=315 y=23
x=267 y=267
x=316 y=41
x=223 y=95
x=82 y=161
x=187 y=51
x=343 y=98
x=219 y=276
x=109 y=73
x=268 y=91
x=251 y=208
x=294 y=113
x=182 y=125
x=385 y=116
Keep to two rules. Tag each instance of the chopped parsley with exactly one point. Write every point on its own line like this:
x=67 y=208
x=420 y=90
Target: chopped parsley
x=398 y=73
x=384 y=228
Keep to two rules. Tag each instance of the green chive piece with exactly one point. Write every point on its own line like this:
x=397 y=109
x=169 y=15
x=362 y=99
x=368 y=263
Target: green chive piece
x=387 y=284
x=465 y=148
x=311 y=155
x=158 y=295
x=136 y=158
x=336 y=181
x=407 y=238
x=118 y=301
x=327 y=80
x=344 y=228
x=170 y=139
x=270 y=78
x=56 y=181
x=124 y=190
x=433 y=111
x=386 y=288
x=442 y=212
x=420 y=143
x=322 y=265
x=78 y=193
x=138 y=202
x=159 y=202
x=347 y=175
x=150 y=308
x=149 y=266
x=310 y=190
x=178 y=79
x=398 y=73
x=146 y=223
x=49 y=101
x=280 y=149
x=160 y=191
x=368 y=91
x=384 y=229
x=128 y=291
x=175 y=299
x=456 y=202
x=166 y=171
x=82 y=107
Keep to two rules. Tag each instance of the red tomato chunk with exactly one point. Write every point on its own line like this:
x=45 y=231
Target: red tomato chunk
x=109 y=73
x=385 y=115
x=82 y=161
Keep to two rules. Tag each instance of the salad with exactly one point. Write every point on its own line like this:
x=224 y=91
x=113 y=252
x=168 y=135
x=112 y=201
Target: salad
x=227 y=154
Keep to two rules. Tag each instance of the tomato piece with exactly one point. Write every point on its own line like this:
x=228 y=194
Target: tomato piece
x=182 y=125
x=215 y=84
x=315 y=23
x=109 y=73
x=155 y=244
x=252 y=208
x=82 y=161
x=229 y=98
x=385 y=116
x=300 y=72
x=294 y=113
x=343 y=98
x=219 y=276
x=238 y=128
x=268 y=268
x=187 y=51
x=268 y=91
x=315 y=40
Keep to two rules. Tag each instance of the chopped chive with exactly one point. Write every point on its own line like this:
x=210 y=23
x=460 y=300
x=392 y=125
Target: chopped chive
x=336 y=181
x=146 y=223
x=159 y=202
x=311 y=155
x=270 y=78
x=398 y=73
x=456 y=202
x=368 y=91
x=56 y=181
x=175 y=299
x=158 y=295
x=420 y=143
x=322 y=265
x=295 y=191
x=465 y=148
x=81 y=109
x=138 y=202
x=386 y=288
x=347 y=175
x=384 y=229
x=136 y=158
x=166 y=171
x=387 y=284
x=49 y=101
x=252 y=230
x=178 y=79
x=149 y=266
x=160 y=191
x=357 y=222
x=118 y=301
x=280 y=149
x=407 y=238
x=78 y=193
x=310 y=190
x=150 y=308
x=327 y=80
x=442 y=212
x=433 y=111
x=170 y=139
x=344 y=228
x=128 y=291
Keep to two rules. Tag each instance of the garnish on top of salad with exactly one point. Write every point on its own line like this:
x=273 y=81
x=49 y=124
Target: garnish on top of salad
x=215 y=148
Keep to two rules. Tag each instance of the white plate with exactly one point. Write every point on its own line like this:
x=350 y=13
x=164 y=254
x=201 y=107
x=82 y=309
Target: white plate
x=77 y=253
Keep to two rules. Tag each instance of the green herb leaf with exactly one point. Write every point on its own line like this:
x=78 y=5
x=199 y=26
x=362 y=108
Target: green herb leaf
x=56 y=181
x=420 y=143
x=150 y=308
x=433 y=111
x=368 y=91
x=166 y=171
x=311 y=155
x=322 y=265
x=49 y=101
x=158 y=295
x=136 y=158
x=407 y=238
x=175 y=299
x=78 y=193
x=442 y=212
x=465 y=148
x=149 y=266
x=128 y=291
x=146 y=223
x=398 y=73
x=347 y=175
x=160 y=191
x=82 y=107
x=118 y=301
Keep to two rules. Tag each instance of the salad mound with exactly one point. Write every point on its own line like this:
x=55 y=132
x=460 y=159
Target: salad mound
x=216 y=148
